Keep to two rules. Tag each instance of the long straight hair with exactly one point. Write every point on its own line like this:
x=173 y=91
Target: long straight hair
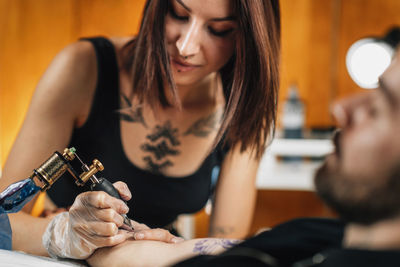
x=251 y=76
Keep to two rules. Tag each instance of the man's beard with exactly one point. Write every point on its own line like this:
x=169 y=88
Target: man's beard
x=362 y=201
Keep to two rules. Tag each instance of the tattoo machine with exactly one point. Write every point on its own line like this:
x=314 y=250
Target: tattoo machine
x=15 y=196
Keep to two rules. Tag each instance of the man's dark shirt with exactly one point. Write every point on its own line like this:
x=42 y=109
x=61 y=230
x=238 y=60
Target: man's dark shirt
x=299 y=243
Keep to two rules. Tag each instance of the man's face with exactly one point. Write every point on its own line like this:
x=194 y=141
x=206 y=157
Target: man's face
x=361 y=180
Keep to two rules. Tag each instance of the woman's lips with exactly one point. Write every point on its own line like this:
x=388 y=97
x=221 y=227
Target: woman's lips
x=183 y=66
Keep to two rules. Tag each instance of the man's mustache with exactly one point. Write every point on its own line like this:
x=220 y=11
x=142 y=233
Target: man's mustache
x=336 y=141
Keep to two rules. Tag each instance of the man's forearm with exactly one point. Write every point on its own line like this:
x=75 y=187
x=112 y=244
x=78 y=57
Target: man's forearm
x=155 y=253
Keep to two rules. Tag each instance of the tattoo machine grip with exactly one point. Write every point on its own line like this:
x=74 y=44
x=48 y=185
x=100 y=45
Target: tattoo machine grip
x=106 y=186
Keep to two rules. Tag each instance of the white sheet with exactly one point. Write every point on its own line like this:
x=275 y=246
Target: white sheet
x=15 y=258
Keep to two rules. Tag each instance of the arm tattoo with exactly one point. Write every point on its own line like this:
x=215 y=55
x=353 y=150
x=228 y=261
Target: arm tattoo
x=129 y=113
x=209 y=246
x=204 y=126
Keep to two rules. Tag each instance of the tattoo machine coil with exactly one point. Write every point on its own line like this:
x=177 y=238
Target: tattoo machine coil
x=18 y=194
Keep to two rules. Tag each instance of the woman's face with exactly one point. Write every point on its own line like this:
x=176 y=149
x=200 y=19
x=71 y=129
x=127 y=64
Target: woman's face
x=200 y=36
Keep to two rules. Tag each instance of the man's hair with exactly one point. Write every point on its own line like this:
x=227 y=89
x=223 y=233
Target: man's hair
x=250 y=78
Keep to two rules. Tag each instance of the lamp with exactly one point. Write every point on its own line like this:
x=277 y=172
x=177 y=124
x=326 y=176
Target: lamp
x=368 y=58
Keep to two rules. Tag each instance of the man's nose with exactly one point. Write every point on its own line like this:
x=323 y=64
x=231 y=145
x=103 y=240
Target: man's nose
x=188 y=43
x=339 y=113
x=349 y=110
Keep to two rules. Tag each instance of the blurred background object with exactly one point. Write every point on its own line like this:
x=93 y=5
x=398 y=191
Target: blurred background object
x=369 y=57
x=293 y=114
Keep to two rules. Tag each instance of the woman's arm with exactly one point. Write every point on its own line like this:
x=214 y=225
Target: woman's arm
x=235 y=195
x=154 y=253
x=61 y=99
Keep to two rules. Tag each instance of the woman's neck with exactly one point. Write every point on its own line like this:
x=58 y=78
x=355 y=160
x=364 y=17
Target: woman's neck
x=203 y=93
x=380 y=235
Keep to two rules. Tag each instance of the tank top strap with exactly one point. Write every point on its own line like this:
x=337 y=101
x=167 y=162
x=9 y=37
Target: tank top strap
x=106 y=99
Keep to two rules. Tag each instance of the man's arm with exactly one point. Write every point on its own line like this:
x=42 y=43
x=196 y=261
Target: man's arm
x=155 y=253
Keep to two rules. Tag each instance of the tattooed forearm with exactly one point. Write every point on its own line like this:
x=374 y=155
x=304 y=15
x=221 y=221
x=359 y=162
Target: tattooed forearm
x=213 y=245
x=204 y=126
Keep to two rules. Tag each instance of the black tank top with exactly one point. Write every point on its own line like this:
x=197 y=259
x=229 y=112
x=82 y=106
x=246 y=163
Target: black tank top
x=156 y=199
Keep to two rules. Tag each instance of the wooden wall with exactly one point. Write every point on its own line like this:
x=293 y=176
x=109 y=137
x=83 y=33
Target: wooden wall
x=315 y=37
x=32 y=32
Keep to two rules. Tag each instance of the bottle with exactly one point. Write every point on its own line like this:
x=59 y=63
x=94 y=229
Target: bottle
x=293 y=115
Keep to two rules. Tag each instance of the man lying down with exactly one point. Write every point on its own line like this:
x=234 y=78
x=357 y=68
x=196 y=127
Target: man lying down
x=360 y=180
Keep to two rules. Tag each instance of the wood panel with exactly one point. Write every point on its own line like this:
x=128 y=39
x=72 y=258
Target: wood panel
x=315 y=37
x=360 y=19
x=32 y=32
x=274 y=207
x=307 y=44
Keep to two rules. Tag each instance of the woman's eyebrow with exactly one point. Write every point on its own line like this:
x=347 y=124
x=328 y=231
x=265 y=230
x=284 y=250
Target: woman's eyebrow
x=214 y=19
x=183 y=5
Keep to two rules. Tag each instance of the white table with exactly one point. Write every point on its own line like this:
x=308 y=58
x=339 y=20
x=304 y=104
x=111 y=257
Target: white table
x=295 y=175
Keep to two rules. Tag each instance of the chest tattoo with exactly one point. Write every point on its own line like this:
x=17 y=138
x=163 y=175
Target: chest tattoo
x=154 y=167
x=204 y=126
x=163 y=141
x=160 y=143
x=165 y=131
x=129 y=113
x=160 y=150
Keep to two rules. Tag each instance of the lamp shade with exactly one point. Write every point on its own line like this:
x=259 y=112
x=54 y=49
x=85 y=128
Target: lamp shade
x=368 y=58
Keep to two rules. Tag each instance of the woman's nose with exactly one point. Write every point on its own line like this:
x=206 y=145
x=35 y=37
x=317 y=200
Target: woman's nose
x=188 y=43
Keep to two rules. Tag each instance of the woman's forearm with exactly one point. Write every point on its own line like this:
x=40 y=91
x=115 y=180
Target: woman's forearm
x=27 y=233
x=155 y=253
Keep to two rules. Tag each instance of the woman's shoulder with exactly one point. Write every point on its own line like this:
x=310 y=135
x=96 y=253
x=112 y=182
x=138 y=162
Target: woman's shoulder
x=76 y=60
x=120 y=42
x=70 y=79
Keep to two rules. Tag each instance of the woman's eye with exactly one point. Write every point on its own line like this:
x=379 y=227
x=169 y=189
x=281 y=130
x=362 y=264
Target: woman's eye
x=219 y=33
x=176 y=16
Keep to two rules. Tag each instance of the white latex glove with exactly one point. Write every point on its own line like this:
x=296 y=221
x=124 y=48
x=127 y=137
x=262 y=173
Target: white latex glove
x=93 y=222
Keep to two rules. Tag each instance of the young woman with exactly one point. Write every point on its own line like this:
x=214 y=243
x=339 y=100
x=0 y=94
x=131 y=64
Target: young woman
x=197 y=88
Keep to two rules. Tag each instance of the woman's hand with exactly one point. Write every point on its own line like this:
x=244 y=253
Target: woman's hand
x=143 y=232
x=92 y=222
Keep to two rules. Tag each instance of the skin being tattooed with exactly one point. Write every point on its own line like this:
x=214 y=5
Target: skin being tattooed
x=130 y=113
x=211 y=245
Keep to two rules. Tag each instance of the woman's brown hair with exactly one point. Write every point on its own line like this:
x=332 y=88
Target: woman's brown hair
x=251 y=76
